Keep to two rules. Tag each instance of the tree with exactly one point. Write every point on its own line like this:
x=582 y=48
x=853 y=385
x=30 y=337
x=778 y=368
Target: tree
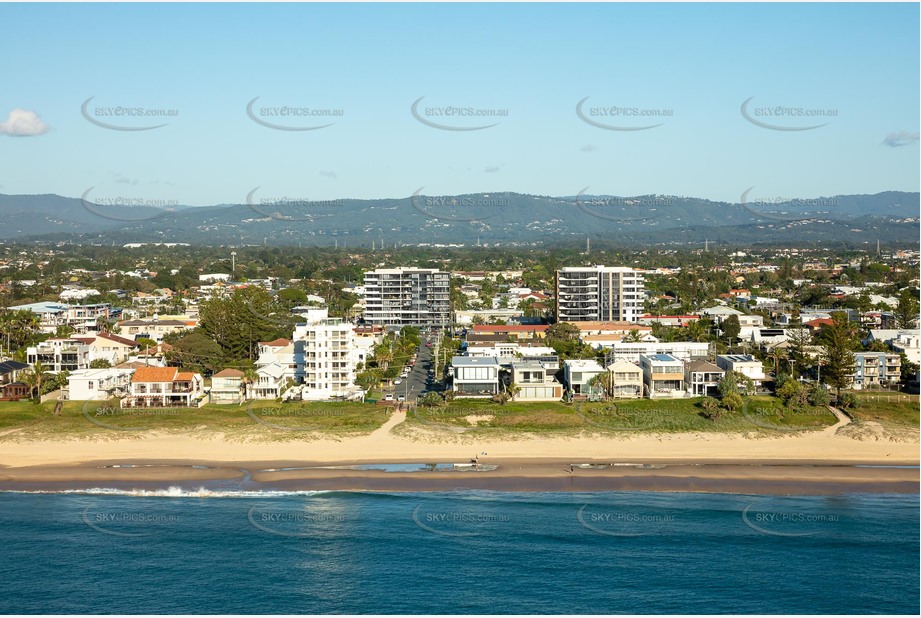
x=146 y=343
x=792 y=393
x=731 y=327
x=198 y=352
x=634 y=336
x=34 y=376
x=732 y=401
x=100 y=363
x=906 y=312
x=839 y=340
x=563 y=331
x=728 y=384
x=512 y=389
x=799 y=339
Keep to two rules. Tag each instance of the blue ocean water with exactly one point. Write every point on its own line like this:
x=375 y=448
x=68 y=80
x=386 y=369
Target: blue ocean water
x=477 y=552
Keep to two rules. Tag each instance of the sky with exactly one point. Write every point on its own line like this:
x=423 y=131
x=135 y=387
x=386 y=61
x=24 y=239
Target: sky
x=688 y=69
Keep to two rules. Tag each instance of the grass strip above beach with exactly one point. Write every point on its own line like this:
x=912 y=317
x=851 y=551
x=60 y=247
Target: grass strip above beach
x=759 y=414
x=271 y=420
x=267 y=419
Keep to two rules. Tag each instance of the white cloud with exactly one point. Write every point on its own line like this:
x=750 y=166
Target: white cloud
x=902 y=138
x=23 y=123
x=328 y=174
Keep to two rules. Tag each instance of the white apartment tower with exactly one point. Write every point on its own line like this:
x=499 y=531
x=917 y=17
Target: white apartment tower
x=602 y=293
x=407 y=297
x=328 y=347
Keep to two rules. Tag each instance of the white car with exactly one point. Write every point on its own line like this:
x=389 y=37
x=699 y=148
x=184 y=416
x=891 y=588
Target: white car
x=398 y=381
x=388 y=397
x=401 y=398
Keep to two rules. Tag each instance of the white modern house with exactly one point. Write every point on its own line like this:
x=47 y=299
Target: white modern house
x=663 y=376
x=475 y=376
x=577 y=373
x=746 y=364
x=97 y=384
x=535 y=382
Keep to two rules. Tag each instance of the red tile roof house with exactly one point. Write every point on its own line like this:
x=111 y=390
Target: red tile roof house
x=165 y=387
x=818 y=323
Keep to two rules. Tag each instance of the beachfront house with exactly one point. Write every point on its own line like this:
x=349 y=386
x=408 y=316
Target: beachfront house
x=663 y=375
x=702 y=378
x=535 y=382
x=625 y=380
x=165 y=387
x=11 y=389
x=227 y=387
x=747 y=365
x=97 y=384
x=475 y=376
x=577 y=373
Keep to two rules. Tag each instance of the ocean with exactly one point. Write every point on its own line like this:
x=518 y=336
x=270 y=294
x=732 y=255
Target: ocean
x=469 y=552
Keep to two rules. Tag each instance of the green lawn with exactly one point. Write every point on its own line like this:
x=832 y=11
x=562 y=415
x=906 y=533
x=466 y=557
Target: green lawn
x=261 y=418
x=887 y=408
x=761 y=414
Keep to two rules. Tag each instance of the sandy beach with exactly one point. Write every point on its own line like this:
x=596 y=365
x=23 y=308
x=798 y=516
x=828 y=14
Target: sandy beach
x=827 y=461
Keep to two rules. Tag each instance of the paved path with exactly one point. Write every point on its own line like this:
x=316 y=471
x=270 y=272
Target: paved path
x=843 y=419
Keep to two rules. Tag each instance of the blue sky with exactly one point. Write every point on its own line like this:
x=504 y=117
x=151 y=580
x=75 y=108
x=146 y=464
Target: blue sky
x=537 y=61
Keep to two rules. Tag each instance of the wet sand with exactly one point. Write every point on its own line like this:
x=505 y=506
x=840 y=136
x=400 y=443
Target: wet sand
x=811 y=477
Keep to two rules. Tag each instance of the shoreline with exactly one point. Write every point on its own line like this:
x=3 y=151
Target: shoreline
x=804 y=477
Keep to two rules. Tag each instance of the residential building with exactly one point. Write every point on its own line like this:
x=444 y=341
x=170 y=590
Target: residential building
x=10 y=386
x=227 y=387
x=702 y=378
x=577 y=373
x=475 y=376
x=516 y=331
x=668 y=320
x=907 y=342
x=325 y=350
x=79 y=317
x=165 y=387
x=61 y=354
x=153 y=328
x=746 y=364
x=277 y=366
x=270 y=381
x=535 y=382
x=407 y=297
x=97 y=384
x=663 y=375
x=873 y=369
x=682 y=350
x=720 y=313
x=625 y=380
x=599 y=293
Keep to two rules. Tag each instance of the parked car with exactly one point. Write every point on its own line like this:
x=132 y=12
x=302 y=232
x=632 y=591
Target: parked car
x=401 y=398
x=398 y=381
x=388 y=397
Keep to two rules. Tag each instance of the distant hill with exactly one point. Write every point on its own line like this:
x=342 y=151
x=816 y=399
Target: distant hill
x=493 y=217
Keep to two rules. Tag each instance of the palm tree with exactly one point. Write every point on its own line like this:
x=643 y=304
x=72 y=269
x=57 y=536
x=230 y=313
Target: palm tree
x=383 y=354
x=512 y=389
x=34 y=377
x=250 y=377
x=633 y=336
